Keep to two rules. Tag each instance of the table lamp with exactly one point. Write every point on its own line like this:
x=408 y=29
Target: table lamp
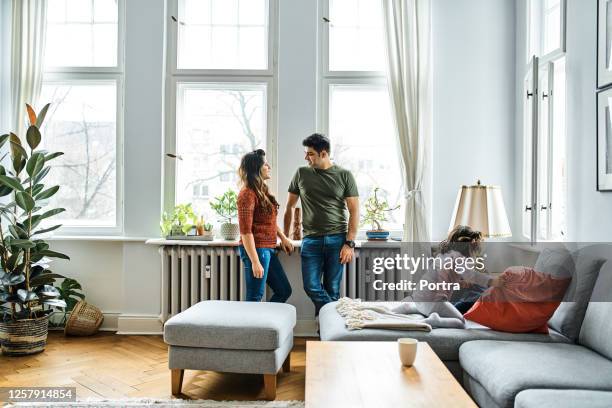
x=481 y=208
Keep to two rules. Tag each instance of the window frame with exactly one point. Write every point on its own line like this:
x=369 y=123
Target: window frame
x=531 y=212
x=556 y=53
x=174 y=76
x=117 y=74
x=327 y=78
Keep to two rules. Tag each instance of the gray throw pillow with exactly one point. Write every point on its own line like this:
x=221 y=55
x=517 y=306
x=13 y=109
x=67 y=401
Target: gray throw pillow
x=568 y=317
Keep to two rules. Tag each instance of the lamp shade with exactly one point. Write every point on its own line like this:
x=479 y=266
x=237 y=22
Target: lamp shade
x=481 y=208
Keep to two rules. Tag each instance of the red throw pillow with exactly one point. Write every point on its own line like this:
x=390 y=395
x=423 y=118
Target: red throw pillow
x=524 y=304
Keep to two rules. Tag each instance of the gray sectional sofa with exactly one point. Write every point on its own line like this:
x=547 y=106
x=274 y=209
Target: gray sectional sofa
x=571 y=366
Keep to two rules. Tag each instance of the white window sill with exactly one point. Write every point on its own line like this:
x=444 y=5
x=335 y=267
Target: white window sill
x=297 y=244
x=108 y=238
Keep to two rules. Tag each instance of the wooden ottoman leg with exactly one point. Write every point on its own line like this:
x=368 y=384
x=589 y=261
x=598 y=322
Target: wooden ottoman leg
x=270 y=386
x=287 y=364
x=177 y=380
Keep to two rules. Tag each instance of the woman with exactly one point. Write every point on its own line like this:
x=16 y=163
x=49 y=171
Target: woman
x=257 y=210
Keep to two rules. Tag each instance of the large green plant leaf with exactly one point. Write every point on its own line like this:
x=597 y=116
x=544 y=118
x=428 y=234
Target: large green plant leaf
x=35 y=164
x=23 y=243
x=3 y=139
x=47 y=290
x=42 y=231
x=25 y=201
x=18 y=164
x=47 y=193
x=53 y=254
x=45 y=279
x=36 y=189
x=13 y=279
x=54 y=302
x=33 y=137
x=52 y=156
x=16 y=147
x=41 y=115
x=18 y=232
x=36 y=179
x=11 y=182
x=26 y=295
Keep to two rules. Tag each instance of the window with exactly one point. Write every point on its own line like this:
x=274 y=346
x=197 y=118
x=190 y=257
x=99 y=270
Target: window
x=544 y=140
x=221 y=95
x=546 y=27
x=83 y=83
x=222 y=34
x=355 y=107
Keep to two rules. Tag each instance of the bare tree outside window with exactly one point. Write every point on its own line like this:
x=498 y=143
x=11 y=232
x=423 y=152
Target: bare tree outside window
x=82 y=123
x=216 y=127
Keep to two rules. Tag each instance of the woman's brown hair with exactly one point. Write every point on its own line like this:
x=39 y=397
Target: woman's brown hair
x=462 y=239
x=250 y=172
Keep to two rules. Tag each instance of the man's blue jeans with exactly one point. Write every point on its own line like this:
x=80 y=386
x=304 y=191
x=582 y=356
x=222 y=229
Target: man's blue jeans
x=321 y=268
x=274 y=275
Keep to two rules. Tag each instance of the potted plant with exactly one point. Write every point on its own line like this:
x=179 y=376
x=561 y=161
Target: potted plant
x=182 y=220
x=227 y=208
x=376 y=210
x=204 y=229
x=27 y=293
x=70 y=292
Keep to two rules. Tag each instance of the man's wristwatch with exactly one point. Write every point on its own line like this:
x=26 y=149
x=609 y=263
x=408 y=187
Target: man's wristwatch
x=350 y=244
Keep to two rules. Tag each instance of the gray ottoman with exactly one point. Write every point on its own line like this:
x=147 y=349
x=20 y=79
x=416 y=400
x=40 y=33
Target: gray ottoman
x=233 y=337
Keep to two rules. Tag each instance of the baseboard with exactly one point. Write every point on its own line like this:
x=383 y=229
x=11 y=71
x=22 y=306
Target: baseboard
x=110 y=321
x=139 y=324
x=305 y=328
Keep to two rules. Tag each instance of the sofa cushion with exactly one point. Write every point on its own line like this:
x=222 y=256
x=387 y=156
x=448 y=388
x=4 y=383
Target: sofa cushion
x=231 y=325
x=568 y=317
x=596 y=330
x=506 y=368
x=445 y=342
x=563 y=399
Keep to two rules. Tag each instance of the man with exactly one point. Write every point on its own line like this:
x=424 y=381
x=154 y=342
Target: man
x=326 y=191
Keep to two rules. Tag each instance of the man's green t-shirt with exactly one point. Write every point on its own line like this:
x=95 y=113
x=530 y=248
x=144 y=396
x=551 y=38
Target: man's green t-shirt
x=323 y=194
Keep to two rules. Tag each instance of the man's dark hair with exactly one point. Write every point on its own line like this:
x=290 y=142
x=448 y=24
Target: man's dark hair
x=318 y=142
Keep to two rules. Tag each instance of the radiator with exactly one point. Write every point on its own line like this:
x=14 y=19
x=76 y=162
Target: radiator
x=191 y=274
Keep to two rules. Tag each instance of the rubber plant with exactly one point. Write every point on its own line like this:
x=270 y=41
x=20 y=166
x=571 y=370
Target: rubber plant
x=27 y=288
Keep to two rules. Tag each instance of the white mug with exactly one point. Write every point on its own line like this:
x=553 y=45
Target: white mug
x=407 y=350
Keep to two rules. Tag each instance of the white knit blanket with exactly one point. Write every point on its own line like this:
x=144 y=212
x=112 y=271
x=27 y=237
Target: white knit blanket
x=414 y=316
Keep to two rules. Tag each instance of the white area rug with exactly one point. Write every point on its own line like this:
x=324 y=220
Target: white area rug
x=161 y=403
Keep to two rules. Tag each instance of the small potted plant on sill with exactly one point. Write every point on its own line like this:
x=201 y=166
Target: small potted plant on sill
x=27 y=293
x=204 y=230
x=226 y=207
x=376 y=210
x=182 y=220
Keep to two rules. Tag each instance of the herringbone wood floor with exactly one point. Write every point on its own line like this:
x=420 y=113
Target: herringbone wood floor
x=115 y=366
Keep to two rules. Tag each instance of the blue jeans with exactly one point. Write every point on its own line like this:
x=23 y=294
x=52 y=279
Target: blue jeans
x=321 y=268
x=274 y=275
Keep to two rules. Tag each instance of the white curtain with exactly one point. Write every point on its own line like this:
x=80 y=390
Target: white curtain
x=27 y=52
x=407 y=37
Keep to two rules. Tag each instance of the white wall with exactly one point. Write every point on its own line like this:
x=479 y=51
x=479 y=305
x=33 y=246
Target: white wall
x=474 y=126
x=589 y=211
x=474 y=70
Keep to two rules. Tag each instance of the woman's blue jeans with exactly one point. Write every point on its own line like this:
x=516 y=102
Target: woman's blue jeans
x=274 y=275
x=321 y=268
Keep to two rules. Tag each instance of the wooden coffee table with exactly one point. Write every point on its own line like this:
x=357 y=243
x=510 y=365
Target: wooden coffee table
x=370 y=374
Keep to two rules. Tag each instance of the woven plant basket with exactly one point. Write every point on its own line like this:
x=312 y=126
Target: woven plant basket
x=84 y=320
x=24 y=337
